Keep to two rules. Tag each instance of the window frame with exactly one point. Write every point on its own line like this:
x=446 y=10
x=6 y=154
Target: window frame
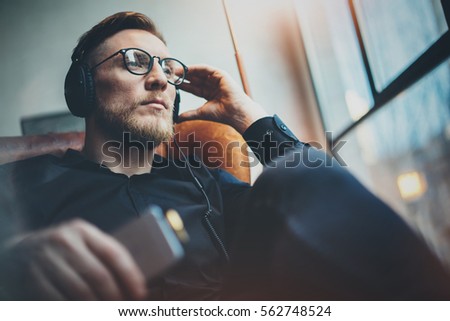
x=436 y=54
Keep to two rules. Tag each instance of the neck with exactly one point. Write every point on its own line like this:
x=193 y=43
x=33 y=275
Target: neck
x=120 y=156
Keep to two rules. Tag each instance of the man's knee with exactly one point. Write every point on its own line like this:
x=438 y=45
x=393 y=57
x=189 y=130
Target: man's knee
x=306 y=173
x=305 y=157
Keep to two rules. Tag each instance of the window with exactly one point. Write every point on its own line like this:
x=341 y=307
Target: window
x=381 y=70
x=335 y=61
x=396 y=32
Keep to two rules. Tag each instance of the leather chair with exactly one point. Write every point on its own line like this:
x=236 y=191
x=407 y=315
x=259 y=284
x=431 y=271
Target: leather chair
x=217 y=145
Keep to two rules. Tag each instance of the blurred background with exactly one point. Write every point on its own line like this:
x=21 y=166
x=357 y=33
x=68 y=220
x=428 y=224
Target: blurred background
x=367 y=80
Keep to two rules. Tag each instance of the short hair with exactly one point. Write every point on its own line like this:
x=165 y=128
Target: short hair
x=108 y=27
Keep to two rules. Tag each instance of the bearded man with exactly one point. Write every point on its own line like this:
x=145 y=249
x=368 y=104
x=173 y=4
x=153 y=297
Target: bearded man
x=308 y=231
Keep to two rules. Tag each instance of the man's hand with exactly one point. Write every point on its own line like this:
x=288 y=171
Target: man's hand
x=74 y=261
x=226 y=101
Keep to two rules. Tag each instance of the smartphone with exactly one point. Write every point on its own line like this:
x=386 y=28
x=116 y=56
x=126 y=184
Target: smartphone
x=152 y=242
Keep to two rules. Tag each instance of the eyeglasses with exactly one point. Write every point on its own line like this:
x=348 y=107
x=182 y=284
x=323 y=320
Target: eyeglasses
x=140 y=62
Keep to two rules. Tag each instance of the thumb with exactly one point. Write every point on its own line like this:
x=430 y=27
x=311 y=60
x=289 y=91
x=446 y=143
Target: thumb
x=190 y=115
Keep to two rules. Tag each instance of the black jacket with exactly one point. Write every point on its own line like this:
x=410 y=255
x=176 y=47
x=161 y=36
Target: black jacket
x=47 y=190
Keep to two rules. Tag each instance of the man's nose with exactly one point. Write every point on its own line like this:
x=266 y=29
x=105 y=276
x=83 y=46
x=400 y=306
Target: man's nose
x=156 y=78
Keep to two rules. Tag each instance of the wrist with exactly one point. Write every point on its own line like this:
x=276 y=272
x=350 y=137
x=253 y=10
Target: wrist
x=251 y=114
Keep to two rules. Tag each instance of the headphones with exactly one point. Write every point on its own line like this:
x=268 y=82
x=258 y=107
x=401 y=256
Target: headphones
x=79 y=90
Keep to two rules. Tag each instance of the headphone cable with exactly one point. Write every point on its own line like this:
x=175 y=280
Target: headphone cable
x=208 y=212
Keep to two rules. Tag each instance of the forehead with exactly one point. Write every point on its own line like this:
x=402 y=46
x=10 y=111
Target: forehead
x=135 y=38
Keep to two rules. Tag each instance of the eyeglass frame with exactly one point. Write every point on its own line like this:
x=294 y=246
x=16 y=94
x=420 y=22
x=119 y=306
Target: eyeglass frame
x=150 y=65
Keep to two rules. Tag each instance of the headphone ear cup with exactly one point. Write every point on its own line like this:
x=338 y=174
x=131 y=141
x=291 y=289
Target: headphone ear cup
x=79 y=90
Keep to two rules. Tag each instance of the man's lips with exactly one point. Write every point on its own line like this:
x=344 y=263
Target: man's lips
x=156 y=103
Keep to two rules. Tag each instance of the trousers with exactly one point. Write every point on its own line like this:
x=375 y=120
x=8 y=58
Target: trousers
x=313 y=232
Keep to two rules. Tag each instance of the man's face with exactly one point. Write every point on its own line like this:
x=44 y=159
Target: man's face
x=141 y=105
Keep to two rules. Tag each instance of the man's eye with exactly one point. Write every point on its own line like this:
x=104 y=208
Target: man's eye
x=168 y=71
x=132 y=64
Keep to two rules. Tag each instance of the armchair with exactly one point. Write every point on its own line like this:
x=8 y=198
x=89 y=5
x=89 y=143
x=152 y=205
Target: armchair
x=215 y=144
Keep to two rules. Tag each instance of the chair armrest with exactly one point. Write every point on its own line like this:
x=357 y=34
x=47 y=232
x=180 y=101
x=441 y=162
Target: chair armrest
x=22 y=147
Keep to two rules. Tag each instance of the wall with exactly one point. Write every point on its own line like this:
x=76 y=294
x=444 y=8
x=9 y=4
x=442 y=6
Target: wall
x=38 y=36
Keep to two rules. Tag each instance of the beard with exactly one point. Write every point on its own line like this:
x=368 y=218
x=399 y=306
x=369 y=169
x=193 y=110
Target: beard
x=118 y=120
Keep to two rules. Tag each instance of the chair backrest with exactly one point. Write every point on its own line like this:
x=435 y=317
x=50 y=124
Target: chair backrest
x=217 y=145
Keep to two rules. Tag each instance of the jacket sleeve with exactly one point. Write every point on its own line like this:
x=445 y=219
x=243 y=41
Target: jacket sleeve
x=269 y=138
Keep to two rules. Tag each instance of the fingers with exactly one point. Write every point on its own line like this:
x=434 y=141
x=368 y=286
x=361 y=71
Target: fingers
x=194 y=114
x=92 y=271
x=188 y=115
x=194 y=89
x=203 y=81
x=201 y=71
x=201 y=87
x=208 y=111
x=78 y=261
x=118 y=261
x=41 y=287
x=64 y=278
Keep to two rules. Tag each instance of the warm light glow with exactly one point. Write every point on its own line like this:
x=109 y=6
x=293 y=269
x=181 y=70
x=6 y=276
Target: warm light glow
x=412 y=185
x=177 y=225
x=357 y=105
